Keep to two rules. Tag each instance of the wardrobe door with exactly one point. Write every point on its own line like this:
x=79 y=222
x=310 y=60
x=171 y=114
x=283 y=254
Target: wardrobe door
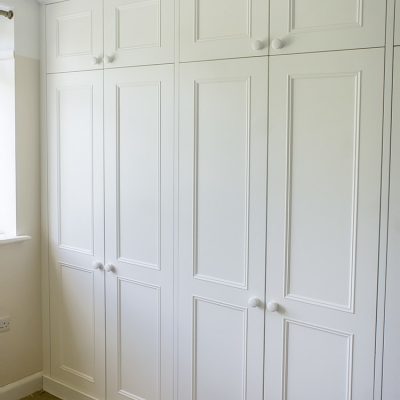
x=313 y=25
x=76 y=214
x=74 y=35
x=324 y=177
x=391 y=383
x=212 y=29
x=138 y=32
x=139 y=232
x=222 y=228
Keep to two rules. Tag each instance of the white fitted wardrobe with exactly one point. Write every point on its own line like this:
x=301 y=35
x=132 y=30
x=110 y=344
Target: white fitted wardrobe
x=215 y=172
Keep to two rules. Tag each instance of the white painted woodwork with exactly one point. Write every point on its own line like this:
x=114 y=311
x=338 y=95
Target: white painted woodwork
x=138 y=32
x=212 y=29
x=397 y=24
x=74 y=36
x=76 y=213
x=222 y=207
x=325 y=136
x=391 y=383
x=139 y=142
x=315 y=25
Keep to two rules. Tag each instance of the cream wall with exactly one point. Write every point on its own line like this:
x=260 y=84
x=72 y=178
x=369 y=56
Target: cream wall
x=20 y=275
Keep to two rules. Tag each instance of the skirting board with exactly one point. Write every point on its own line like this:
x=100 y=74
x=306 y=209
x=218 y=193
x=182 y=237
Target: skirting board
x=22 y=388
x=62 y=391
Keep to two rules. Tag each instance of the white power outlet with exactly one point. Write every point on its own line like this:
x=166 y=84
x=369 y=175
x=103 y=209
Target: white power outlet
x=5 y=323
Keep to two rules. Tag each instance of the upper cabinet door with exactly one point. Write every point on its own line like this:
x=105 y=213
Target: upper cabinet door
x=138 y=32
x=74 y=36
x=299 y=26
x=213 y=29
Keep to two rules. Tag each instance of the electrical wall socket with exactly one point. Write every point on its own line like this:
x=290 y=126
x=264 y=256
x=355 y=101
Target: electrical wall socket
x=5 y=323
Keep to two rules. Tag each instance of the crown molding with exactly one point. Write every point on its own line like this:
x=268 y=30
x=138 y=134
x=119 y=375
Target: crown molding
x=50 y=1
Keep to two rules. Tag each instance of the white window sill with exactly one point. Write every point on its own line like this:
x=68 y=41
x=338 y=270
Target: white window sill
x=7 y=239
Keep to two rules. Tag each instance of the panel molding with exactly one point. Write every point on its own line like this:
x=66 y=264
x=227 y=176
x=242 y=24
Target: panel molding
x=358 y=23
x=157 y=289
x=244 y=311
x=346 y=335
x=198 y=38
x=89 y=252
x=139 y=263
x=350 y=306
x=241 y=285
x=71 y=17
x=137 y=4
x=63 y=365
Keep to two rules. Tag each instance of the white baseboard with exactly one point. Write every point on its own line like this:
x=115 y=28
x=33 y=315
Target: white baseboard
x=62 y=390
x=22 y=388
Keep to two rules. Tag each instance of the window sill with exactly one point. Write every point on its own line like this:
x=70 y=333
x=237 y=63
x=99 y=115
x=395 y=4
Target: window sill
x=7 y=239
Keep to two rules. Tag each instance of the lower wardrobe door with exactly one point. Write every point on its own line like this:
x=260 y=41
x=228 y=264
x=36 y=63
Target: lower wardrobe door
x=76 y=215
x=323 y=224
x=222 y=228
x=139 y=142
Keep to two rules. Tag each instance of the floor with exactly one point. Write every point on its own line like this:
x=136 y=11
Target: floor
x=40 y=396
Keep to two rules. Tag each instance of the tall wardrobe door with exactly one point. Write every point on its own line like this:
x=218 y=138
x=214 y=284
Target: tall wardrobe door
x=212 y=29
x=323 y=224
x=313 y=25
x=391 y=382
x=74 y=35
x=75 y=129
x=222 y=228
x=139 y=134
x=138 y=32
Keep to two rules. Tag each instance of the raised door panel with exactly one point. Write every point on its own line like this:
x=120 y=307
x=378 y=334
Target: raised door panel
x=223 y=29
x=391 y=383
x=138 y=32
x=222 y=197
x=76 y=214
x=74 y=36
x=299 y=26
x=323 y=224
x=139 y=231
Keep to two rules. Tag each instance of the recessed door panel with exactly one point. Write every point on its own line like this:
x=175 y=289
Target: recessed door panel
x=313 y=25
x=323 y=224
x=223 y=29
x=222 y=197
x=139 y=232
x=74 y=36
x=76 y=215
x=138 y=32
x=139 y=176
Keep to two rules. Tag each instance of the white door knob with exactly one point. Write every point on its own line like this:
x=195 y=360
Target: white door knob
x=98 y=265
x=272 y=306
x=111 y=268
x=97 y=60
x=257 y=45
x=111 y=58
x=254 y=302
x=277 y=44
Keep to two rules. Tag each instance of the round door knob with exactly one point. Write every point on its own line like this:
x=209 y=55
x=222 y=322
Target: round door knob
x=272 y=306
x=111 y=268
x=257 y=45
x=277 y=44
x=98 y=265
x=97 y=60
x=254 y=302
x=111 y=58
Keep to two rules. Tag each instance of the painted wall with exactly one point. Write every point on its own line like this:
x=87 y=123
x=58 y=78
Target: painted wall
x=20 y=281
